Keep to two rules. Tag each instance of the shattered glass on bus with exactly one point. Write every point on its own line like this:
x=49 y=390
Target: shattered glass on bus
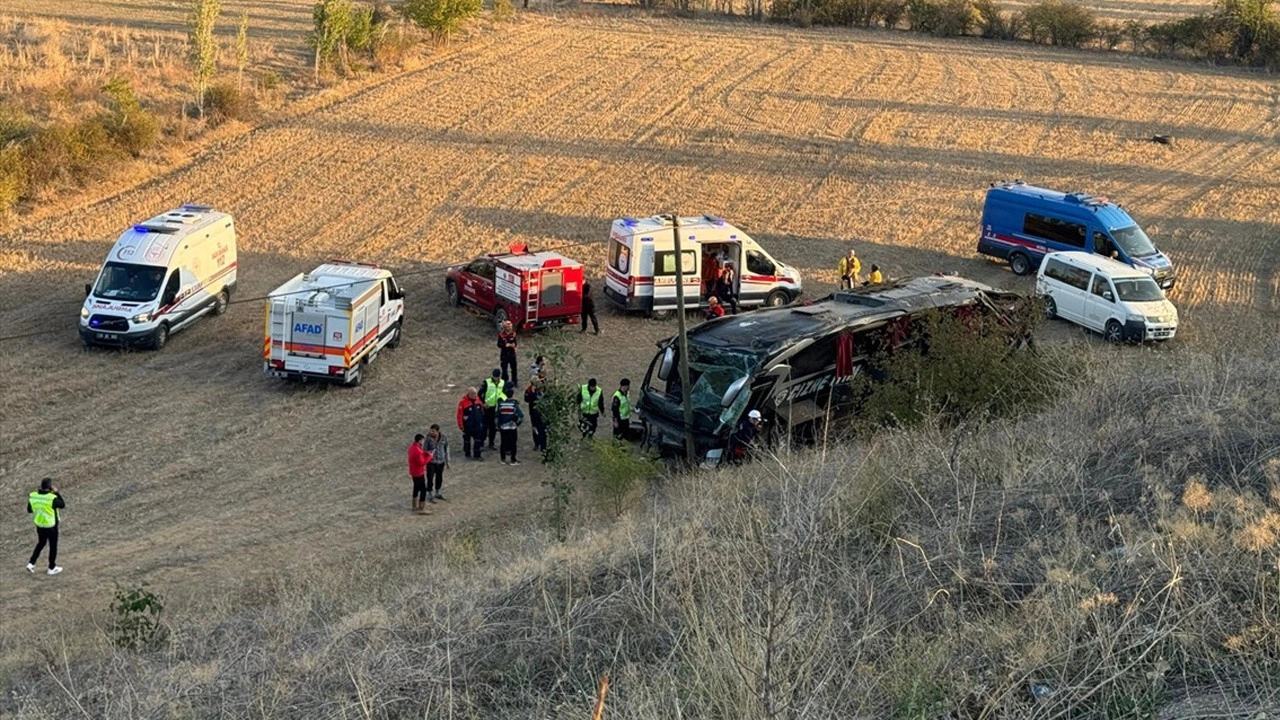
x=712 y=372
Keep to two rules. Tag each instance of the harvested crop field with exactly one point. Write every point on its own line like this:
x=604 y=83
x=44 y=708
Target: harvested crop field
x=189 y=470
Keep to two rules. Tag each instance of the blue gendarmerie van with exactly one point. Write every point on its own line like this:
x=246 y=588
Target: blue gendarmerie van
x=1021 y=223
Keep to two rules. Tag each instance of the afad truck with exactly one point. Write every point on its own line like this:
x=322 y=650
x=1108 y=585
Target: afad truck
x=328 y=324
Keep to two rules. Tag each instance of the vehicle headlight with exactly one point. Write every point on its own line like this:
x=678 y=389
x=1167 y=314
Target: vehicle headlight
x=1137 y=318
x=1160 y=318
x=84 y=313
x=141 y=318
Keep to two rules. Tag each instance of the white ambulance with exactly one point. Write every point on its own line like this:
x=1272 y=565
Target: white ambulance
x=160 y=276
x=641 y=265
x=330 y=323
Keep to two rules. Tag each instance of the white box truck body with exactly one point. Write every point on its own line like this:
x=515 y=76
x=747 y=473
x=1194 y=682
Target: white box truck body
x=328 y=324
x=160 y=276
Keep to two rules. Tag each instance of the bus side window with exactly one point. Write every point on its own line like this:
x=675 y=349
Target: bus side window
x=1103 y=246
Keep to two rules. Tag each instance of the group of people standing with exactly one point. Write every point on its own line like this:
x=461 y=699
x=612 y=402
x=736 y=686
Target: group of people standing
x=850 y=270
x=719 y=283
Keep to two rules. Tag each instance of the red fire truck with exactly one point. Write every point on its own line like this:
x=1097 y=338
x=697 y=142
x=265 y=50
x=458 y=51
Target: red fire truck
x=529 y=289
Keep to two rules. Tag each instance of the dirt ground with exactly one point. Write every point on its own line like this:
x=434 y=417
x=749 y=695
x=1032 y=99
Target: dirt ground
x=189 y=470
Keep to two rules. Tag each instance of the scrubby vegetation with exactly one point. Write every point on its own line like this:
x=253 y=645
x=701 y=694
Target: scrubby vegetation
x=1103 y=558
x=1246 y=32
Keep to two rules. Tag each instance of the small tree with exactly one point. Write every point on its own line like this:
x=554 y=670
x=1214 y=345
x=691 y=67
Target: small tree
x=559 y=410
x=614 y=471
x=203 y=51
x=242 y=49
x=441 y=18
x=129 y=126
x=332 y=20
x=1061 y=23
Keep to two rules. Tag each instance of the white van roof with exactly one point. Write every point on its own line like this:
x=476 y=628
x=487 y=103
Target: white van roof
x=1111 y=268
x=333 y=285
x=709 y=224
x=154 y=241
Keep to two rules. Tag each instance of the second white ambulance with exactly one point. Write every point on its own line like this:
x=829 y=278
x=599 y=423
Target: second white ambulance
x=642 y=265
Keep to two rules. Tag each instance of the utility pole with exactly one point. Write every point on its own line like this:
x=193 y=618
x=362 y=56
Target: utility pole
x=682 y=344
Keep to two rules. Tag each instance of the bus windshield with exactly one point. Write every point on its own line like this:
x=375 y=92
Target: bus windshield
x=1134 y=242
x=134 y=283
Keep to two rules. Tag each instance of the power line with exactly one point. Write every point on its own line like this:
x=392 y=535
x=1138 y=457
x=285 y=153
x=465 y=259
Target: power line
x=407 y=273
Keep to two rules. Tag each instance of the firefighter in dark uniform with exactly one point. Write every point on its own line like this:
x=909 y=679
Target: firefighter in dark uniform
x=532 y=395
x=507 y=343
x=744 y=438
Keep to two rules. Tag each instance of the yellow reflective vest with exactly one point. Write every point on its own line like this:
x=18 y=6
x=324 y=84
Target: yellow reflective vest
x=493 y=393
x=590 y=404
x=846 y=269
x=624 y=405
x=42 y=510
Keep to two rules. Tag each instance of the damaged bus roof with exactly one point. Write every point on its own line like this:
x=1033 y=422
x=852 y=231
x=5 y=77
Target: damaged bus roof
x=769 y=330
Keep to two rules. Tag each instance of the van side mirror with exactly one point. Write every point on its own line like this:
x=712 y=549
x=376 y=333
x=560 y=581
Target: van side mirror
x=731 y=394
x=87 y=289
x=668 y=360
x=1106 y=295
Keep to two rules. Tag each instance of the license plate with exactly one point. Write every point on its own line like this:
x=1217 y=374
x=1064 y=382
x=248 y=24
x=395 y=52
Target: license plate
x=105 y=336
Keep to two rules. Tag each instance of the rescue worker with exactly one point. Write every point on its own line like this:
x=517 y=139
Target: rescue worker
x=471 y=424
x=507 y=352
x=744 y=437
x=539 y=366
x=710 y=272
x=510 y=417
x=875 y=278
x=589 y=408
x=418 y=459
x=437 y=447
x=44 y=504
x=532 y=395
x=850 y=268
x=714 y=308
x=492 y=388
x=621 y=410
x=589 y=309
x=726 y=287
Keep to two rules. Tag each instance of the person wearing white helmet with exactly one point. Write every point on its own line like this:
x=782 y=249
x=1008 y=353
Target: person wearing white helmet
x=743 y=440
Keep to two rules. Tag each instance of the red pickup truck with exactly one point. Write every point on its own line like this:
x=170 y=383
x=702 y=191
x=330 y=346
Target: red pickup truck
x=529 y=289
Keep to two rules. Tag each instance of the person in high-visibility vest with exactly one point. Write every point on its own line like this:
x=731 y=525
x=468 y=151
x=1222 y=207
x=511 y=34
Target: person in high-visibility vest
x=589 y=408
x=44 y=504
x=491 y=390
x=876 y=278
x=622 y=410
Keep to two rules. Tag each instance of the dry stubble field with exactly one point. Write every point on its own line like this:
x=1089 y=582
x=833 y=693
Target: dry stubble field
x=188 y=470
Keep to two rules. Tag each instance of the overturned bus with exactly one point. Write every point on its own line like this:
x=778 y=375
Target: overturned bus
x=793 y=364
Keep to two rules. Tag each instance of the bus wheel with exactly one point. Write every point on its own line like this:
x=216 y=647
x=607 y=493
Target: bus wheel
x=1019 y=264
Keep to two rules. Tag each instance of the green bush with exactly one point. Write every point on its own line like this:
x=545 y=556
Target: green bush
x=614 y=471
x=995 y=24
x=137 y=625
x=129 y=126
x=1059 y=22
x=72 y=153
x=891 y=12
x=503 y=10
x=225 y=101
x=941 y=18
x=441 y=18
x=958 y=369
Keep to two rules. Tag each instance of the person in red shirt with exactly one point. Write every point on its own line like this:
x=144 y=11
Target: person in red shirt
x=418 y=459
x=714 y=308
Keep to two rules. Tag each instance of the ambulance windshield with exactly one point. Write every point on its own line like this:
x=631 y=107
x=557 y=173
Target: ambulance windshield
x=132 y=283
